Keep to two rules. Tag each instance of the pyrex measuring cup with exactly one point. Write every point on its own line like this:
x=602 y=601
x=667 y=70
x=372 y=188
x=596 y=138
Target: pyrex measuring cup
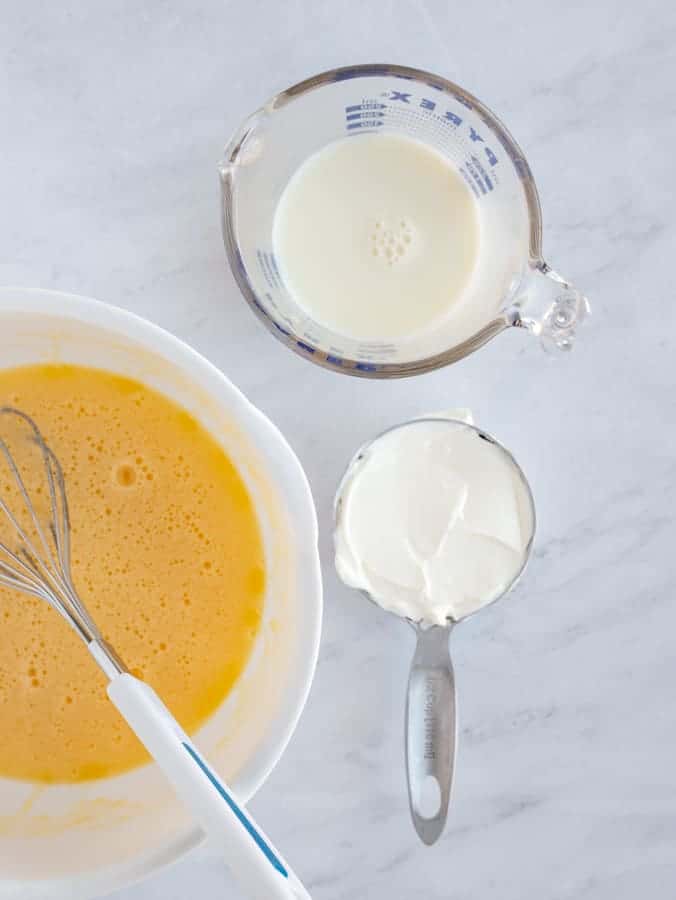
x=431 y=708
x=512 y=284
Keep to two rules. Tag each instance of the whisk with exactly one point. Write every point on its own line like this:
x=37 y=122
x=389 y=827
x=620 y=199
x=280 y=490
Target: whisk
x=35 y=560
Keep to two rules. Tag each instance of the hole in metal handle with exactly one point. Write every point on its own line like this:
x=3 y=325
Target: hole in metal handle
x=429 y=797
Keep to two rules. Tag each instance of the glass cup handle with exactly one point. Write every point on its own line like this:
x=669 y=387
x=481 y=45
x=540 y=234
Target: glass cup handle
x=550 y=308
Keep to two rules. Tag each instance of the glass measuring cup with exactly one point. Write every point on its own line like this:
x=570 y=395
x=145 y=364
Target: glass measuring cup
x=512 y=286
x=431 y=709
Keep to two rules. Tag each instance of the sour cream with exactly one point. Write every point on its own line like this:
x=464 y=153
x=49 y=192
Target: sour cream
x=434 y=521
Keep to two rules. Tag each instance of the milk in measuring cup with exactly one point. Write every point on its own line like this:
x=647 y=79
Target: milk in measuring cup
x=377 y=237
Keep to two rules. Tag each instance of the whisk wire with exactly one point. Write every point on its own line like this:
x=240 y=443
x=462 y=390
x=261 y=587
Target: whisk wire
x=9 y=458
x=59 y=499
x=25 y=572
x=9 y=578
x=39 y=568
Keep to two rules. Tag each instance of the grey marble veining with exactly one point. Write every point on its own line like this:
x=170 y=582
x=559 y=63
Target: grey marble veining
x=113 y=118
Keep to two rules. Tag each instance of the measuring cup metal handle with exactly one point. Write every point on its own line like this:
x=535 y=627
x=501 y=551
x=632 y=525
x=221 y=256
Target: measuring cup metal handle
x=431 y=732
x=549 y=307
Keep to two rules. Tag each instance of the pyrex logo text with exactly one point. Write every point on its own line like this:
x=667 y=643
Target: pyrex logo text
x=431 y=106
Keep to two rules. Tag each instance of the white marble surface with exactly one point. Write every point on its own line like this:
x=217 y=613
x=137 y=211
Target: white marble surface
x=113 y=117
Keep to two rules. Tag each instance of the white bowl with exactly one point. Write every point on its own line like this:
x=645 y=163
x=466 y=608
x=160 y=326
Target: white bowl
x=81 y=841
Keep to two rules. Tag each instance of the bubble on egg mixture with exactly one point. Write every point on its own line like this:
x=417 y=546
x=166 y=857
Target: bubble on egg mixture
x=125 y=475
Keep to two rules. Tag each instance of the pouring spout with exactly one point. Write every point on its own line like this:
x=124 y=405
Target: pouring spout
x=550 y=308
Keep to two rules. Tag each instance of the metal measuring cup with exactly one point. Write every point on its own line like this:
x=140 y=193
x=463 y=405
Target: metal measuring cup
x=431 y=731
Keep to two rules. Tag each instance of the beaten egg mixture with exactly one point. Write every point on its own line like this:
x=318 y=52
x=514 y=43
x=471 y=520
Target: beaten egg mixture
x=166 y=554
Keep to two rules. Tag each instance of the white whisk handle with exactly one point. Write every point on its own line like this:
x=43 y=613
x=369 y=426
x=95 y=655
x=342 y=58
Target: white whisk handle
x=256 y=864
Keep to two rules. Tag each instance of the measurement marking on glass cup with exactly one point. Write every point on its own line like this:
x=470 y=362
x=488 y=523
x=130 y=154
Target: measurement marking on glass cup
x=367 y=104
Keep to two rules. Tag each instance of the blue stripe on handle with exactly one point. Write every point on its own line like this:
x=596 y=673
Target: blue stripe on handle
x=262 y=844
